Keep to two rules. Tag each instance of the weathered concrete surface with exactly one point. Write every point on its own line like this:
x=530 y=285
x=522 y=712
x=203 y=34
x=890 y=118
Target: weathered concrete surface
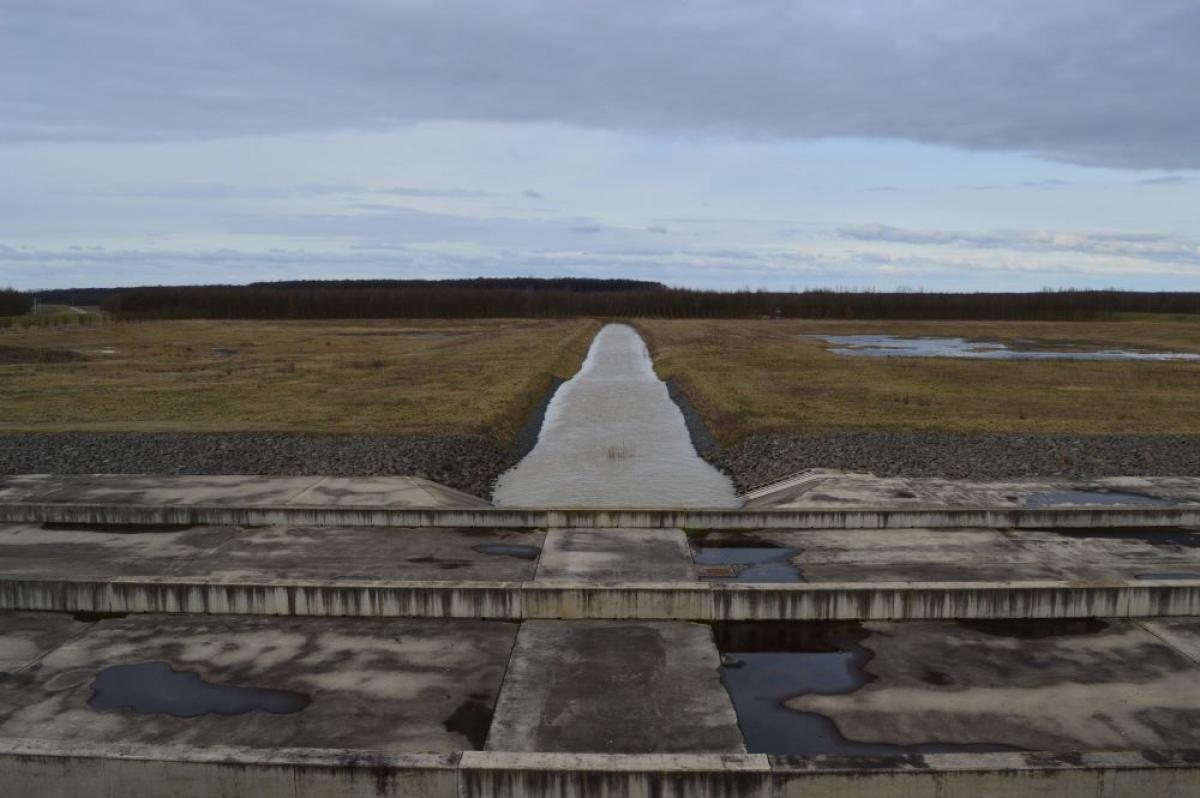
x=1083 y=556
x=817 y=518
x=597 y=686
x=825 y=488
x=616 y=556
x=81 y=552
x=301 y=553
x=488 y=774
x=26 y=636
x=31 y=767
x=1045 y=686
x=50 y=769
x=348 y=553
x=399 y=685
x=399 y=491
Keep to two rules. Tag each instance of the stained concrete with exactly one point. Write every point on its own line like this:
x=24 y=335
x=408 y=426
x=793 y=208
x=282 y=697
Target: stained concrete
x=616 y=556
x=347 y=553
x=397 y=685
x=233 y=490
x=599 y=686
x=1079 y=556
x=822 y=488
x=1036 y=685
x=272 y=553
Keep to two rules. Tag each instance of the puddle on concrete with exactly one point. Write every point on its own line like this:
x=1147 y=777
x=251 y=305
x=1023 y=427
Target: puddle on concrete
x=120 y=529
x=765 y=664
x=1167 y=537
x=1106 y=497
x=518 y=550
x=155 y=688
x=746 y=564
x=1168 y=575
x=1037 y=629
x=612 y=437
x=896 y=346
x=472 y=719
x=87 y=616
x=444 y=564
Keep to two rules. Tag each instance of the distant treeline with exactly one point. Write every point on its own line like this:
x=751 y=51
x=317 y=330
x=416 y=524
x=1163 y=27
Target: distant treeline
x=15 y=303
x=438 y=300
x=99 y=296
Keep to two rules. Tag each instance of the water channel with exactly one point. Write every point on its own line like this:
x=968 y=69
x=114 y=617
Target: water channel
x=612 y=437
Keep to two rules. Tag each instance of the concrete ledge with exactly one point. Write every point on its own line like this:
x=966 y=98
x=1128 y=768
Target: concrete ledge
x=50 y=769
x=74 y=770
x=495 y=517
x=644 y=601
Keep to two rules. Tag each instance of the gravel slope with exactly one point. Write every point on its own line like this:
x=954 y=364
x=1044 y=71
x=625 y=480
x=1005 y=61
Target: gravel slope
x=468 y=463
x=991 y=456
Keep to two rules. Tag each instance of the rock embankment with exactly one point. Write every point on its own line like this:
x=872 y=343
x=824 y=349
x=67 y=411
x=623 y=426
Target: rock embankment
x=763 y=458
x=468 y=463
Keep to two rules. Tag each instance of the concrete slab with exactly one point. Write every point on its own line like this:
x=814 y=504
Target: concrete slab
x=394 y=685
x=599 y=686
x=829 y=489
x=233 y=490
x=90 y=551
x=349 y=553
x=398 y=491
x=613 y=556
x=27 y=636
x=921 y=687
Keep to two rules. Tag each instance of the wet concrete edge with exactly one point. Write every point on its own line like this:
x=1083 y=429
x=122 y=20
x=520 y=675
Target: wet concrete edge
x=703 y=440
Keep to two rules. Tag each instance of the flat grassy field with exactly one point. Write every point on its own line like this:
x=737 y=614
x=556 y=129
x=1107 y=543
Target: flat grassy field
x=393 y=376
x=754 y=377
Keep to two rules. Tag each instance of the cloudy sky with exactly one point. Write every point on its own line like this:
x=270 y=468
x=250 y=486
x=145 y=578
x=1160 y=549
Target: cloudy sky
x=1008 y=144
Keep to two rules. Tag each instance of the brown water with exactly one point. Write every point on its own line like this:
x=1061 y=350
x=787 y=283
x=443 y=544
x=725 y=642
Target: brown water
x=613 y=437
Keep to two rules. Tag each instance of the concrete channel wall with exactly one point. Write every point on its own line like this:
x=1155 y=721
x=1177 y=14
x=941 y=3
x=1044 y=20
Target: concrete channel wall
x=860 y=518
x=647 y=601
x=68 y=770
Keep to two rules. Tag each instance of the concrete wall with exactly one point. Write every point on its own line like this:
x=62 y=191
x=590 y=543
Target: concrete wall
x=905 y=518
x=65 y=770
x=669 y=601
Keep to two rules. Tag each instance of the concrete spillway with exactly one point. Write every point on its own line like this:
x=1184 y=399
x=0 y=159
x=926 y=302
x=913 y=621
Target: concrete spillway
x=612 y=437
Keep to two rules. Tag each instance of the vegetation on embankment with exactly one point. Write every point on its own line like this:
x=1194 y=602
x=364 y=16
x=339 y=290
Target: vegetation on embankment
x=752 y=378
x=477 y=377
x=14 y=303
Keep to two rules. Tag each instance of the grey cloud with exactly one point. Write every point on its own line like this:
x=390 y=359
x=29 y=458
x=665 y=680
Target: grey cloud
x=531 y=194
x=205 y=191
x=1168 y=180
x=658 y=229
x=1087 y=81
x=1153 y=247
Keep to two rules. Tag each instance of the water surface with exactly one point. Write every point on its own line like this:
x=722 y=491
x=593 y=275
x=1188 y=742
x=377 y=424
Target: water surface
x=612 y=437
x=895 y=346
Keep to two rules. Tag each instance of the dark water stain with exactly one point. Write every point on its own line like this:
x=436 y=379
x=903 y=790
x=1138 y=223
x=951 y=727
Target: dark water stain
x=155 y=688
x=472 y=719
x=1155 y=536
x=747 y=564
x=445 y=565
x=519 y=550
x=1098 y=496
x=120 y=529
x=1037 y=629
x=88 y=616
x=937 y=678
x=1168 y=575
x=766 y=664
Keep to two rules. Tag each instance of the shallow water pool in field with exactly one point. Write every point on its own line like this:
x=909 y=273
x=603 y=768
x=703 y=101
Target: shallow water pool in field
x=612 y=437
x=896 y=346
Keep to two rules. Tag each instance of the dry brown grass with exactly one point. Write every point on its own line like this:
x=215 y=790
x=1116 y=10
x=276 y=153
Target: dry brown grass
x=402 y=377
x=752 y=377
